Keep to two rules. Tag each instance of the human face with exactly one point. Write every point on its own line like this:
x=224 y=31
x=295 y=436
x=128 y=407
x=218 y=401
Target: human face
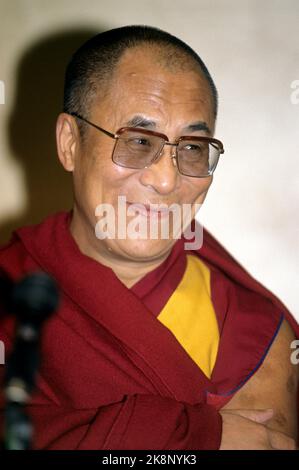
x=174 y=104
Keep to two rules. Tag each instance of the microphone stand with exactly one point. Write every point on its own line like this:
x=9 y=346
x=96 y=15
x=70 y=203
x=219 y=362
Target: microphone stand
x=32 y=300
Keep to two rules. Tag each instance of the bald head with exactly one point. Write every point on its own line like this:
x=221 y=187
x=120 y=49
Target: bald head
x=94 y=65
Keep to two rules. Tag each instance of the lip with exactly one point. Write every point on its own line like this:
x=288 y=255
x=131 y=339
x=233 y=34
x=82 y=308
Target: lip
x=149 y=209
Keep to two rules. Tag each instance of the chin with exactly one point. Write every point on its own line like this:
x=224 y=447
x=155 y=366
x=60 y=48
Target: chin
x=146 y=249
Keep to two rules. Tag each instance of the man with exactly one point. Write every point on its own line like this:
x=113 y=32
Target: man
x=153 y=346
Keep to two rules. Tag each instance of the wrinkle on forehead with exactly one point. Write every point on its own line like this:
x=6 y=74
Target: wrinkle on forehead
x=139 y=83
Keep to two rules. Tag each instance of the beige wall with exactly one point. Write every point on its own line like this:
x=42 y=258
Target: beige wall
x=252 y=50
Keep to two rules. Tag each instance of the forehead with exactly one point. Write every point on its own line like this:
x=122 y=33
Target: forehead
x=143 y=81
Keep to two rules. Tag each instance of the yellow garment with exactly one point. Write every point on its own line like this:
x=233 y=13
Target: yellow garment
x=190 y=315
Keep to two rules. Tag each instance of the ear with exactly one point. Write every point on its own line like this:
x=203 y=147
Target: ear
x=67 y=140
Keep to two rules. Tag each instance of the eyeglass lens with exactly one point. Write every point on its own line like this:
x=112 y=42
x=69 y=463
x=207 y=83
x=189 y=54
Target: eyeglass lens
x=194 y=158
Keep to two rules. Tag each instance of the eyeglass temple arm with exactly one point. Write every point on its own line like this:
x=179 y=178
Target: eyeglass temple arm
x=220 y=148
x=93 y=125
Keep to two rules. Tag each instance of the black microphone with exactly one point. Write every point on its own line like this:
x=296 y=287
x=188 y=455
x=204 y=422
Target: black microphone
x=33 y=299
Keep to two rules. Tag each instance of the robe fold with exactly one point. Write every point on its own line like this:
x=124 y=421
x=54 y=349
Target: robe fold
x=112 y=376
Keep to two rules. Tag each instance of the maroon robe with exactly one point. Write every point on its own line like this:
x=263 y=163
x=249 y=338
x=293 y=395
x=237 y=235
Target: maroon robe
x=114 y=377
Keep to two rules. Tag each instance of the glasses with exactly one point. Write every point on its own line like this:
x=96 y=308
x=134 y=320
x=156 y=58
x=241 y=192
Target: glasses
x=139 y=148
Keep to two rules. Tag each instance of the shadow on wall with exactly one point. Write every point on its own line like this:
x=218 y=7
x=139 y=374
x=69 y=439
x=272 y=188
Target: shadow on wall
x=31 y=126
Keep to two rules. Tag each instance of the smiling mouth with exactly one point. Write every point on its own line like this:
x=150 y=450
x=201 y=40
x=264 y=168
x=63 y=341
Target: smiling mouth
x=156 y=210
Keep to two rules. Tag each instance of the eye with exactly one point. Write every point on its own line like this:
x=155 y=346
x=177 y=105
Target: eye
x=192 y=148
x=142 y=141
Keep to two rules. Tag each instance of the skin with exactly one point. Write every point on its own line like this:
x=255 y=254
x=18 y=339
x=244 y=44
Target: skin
x=274 y=387
x=173 y=99
x=172 y=102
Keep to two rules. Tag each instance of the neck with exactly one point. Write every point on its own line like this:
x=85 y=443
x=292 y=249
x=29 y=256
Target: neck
x=128 y=271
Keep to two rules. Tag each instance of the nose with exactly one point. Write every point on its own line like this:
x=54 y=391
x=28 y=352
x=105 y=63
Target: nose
x=162 y=175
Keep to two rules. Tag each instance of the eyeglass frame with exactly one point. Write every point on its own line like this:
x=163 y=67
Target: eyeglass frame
x=155 y=134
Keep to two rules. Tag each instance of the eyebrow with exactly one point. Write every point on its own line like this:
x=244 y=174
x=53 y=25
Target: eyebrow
x=197 y=126
x=141 y=121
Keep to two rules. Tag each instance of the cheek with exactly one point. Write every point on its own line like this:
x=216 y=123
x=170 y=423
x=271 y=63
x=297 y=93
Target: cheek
x=104 y=172
x=197 y=189
x=99 y=179
x=94 y=164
